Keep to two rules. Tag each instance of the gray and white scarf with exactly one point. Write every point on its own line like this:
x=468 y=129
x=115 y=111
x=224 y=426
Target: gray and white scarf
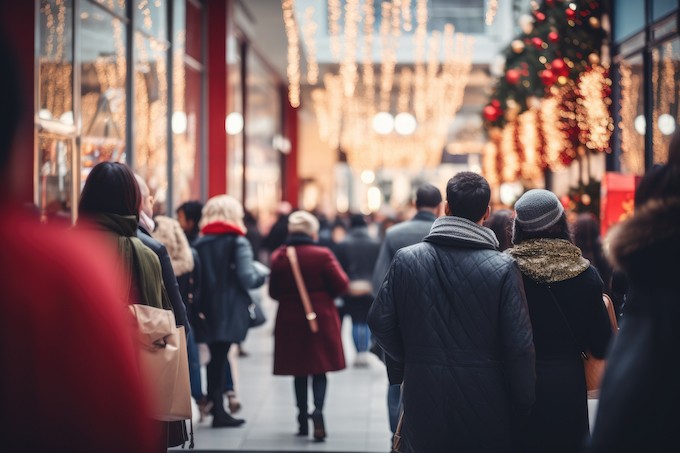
x=463 y=230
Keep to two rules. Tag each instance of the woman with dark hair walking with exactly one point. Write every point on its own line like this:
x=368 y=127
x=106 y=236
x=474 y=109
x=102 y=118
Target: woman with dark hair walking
x=109 y=203
x=564 y=296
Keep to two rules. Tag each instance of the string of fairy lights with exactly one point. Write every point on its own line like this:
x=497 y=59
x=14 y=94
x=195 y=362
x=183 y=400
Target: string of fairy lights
x=365 y=108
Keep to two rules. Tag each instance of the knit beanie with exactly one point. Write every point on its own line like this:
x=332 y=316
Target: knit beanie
x=303 y=222
x=538 y=210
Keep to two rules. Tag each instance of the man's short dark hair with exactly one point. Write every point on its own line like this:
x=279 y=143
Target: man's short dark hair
x=192 y=210
x=428 y=196
x=468 y=195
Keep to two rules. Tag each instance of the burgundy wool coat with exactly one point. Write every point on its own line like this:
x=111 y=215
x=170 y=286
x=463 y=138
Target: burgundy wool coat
x=297 y=351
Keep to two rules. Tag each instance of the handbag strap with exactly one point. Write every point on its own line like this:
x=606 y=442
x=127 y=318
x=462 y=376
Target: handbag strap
x=584 y=354
x=309 y=312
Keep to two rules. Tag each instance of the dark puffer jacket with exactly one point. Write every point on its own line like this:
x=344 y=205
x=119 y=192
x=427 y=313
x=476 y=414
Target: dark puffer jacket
x=453 y=311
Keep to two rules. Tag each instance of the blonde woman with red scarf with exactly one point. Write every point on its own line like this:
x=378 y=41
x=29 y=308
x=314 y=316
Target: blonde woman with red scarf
x=228 y=273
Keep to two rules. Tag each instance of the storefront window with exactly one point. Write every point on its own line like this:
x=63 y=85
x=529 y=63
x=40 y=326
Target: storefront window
x=117 y=6
x=55 y=122
x=665 y=76
x=150 y=113
x=633 y=124
x=263 y=130
x=629 y=17
x=103 y=96
x=186 y=113
x=151 y=18
x=662 y=7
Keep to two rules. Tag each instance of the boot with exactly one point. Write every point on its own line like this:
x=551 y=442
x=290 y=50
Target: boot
x=319 y=426
x=221 y=419
x=303 y=424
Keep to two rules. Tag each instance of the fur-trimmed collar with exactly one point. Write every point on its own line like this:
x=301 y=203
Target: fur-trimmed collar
x=549 y=260
x=650 y=240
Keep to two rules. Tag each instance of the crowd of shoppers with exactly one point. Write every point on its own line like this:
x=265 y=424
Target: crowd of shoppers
x=482 y=339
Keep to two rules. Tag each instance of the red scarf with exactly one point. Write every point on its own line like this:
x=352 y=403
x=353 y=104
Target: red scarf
x=221 y=227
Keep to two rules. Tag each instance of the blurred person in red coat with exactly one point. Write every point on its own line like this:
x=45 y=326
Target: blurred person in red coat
x=297 y=351
x=69 y=378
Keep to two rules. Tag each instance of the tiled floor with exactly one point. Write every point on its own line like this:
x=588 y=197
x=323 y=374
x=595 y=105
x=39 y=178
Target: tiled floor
x=355 y=411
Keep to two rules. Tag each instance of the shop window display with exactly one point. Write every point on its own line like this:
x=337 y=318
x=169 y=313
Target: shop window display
x=262 y=129
x=234 y=121
x=103 y=96
x=633 y=124
x=665 y=77
x=55 y=121
x=150 y=113
x=186 y=110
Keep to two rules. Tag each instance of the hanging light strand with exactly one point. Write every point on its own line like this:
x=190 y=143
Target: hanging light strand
x=309 y=33
x=293 y=69
x=491 y=11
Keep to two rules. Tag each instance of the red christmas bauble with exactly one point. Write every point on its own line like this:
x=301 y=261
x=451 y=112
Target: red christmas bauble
x=553 y=36
x=570 y=13
x=548 y=77
x=540 y=16
x=550 y=3
x=537 y=42
x=559 y=67
x=496 y=103
x=512 y=76
x=491 y=113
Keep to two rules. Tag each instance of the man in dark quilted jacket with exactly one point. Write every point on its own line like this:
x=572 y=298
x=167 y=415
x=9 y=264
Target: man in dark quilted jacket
x=452 y=311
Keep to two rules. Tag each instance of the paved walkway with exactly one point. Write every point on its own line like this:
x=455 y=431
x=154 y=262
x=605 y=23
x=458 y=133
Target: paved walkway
x=355 y=411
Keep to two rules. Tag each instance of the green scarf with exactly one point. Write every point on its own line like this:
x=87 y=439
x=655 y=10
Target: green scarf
x=549 y=260
x=140 y=262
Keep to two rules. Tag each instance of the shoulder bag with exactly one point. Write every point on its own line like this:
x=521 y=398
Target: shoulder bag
x=593 y=367
x=306 y=303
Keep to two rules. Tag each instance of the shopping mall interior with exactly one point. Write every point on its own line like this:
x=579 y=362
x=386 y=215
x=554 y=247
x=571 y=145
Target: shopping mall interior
x=339 y=107
x=342 y=105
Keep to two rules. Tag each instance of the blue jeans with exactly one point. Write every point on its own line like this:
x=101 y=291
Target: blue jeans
x=394 y=405
x=194 y=367
x=361 y=335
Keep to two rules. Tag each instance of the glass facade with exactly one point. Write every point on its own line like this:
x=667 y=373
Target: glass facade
x=55 y=126
x=647 y=62
x=125 y=81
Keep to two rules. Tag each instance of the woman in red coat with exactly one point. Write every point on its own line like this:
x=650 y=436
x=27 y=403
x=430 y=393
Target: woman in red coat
x=297 y=351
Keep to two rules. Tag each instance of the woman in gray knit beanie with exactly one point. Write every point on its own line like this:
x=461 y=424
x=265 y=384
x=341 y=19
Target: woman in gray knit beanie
x=564 y=295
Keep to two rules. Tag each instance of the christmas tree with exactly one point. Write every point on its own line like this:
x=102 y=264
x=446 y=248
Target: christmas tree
x=559 y=41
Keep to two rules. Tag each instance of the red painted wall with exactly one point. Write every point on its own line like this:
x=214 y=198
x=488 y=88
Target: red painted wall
x=216 y=66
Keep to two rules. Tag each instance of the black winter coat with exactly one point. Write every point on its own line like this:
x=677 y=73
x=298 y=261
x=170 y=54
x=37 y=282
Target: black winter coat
x=357 y=254
x=640 y=397
x=454 y=313
x=169 y=279
x=227 y=273
x=559 y=418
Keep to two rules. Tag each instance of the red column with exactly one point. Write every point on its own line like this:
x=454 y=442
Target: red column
x=216 y=66
x=291 y=181
x=17 y=26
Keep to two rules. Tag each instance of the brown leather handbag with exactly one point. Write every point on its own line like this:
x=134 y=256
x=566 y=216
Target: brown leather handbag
x=302 y=289
x=594 y=368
